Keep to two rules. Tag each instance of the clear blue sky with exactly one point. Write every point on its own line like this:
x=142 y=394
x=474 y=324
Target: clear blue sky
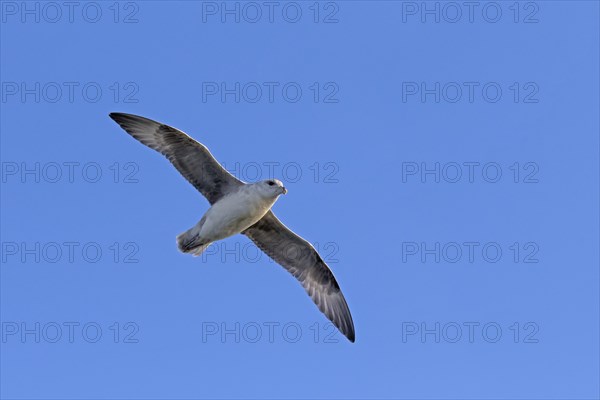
x=443 y=159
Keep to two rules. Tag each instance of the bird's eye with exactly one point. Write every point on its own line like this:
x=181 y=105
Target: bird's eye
x=271 y=183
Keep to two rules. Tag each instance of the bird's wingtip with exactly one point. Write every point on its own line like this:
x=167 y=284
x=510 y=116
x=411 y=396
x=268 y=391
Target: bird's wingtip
x=350 y=335
x=121 y=118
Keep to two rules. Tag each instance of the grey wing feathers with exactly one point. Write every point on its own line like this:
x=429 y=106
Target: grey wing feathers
x=301 y=259
x=192 y=159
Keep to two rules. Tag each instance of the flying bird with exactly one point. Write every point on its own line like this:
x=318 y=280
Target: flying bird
x=239 y=207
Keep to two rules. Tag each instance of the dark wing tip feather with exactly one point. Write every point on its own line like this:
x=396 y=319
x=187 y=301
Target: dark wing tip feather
x=124 y=118
x=119 y=118
x=341 y=311
x=340 y=315
x=332 y=302
x=349 y=331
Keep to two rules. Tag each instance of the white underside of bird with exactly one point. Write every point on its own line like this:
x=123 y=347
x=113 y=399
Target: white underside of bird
x=229 y=216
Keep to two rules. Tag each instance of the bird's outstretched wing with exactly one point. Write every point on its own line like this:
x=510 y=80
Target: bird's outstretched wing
x=302 y=260
x=192 y=159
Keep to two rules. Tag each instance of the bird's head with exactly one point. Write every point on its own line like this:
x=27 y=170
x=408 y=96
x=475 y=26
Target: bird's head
x=272 y=187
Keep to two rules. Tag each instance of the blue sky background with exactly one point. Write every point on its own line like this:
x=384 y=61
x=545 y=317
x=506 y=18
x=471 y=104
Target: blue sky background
x=359 y=198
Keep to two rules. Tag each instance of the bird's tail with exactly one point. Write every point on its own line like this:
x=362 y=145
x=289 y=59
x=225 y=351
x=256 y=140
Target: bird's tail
x=190 y=242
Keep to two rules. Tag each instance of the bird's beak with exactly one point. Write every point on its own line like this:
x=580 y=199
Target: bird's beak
x=283 y=190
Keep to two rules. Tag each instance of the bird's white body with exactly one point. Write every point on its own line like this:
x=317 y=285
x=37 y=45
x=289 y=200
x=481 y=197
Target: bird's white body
x=234 y=213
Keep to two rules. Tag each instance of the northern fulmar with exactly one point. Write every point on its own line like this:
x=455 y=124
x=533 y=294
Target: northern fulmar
x=239 y=207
